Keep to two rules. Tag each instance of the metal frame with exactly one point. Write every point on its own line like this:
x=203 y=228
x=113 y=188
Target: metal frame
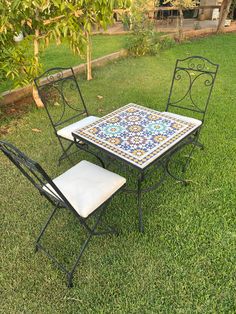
x=162 y=161
x=39 y=178
x=53 y=80
x=193 y=68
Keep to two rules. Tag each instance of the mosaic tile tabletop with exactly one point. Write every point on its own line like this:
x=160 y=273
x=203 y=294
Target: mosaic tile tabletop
x=136 y=134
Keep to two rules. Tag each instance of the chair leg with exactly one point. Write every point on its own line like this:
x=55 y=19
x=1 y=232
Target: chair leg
x=71 y=273
x=44 y=228
x=91 y=231
x=188 y=159
x=168 y=171
x=110 y=230
x=65 y=152
x=195 y=144
x=200 y=145
x=169 y=158
x=86 y=242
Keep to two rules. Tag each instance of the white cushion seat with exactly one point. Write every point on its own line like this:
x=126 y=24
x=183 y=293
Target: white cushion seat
x=66 y=132
x=178 y=116
x=86 y=186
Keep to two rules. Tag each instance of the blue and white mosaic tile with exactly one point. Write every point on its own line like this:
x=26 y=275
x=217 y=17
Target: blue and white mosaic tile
x=137 y=134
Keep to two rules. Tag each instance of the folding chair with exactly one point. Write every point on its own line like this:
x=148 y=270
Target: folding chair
x=85 y=189
x=60 y=93
x=190 y=91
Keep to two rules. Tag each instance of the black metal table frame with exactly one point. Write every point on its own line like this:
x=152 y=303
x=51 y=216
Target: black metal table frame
x=161 y=161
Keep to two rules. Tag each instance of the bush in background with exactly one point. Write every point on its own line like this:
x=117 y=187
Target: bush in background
x=144 y=40
x=147 y=42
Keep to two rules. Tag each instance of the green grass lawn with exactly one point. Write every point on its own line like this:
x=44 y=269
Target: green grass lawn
x=61 y=55
x=184 y=262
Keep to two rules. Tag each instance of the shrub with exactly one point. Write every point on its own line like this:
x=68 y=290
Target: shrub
x=147 y=42
x=144 y=40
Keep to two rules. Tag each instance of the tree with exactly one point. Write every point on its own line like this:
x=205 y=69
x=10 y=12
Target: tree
x=224 y=11
x=99 y=14
x=16 y=63
x=182 y=5
x=46 y=20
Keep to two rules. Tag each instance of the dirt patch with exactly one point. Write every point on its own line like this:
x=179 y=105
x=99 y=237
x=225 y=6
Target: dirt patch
x=14 y=111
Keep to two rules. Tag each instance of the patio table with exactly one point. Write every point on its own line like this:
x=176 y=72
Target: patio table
x=140 y=137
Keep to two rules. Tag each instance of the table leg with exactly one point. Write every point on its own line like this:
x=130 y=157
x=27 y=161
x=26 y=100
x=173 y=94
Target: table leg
x=139 y=191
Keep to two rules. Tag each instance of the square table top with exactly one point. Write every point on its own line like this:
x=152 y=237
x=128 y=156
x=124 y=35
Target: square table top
x=137 y=134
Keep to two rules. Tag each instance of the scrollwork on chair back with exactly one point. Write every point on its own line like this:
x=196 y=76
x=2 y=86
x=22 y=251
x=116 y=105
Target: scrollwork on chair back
x=192 y=84
x=61 y=95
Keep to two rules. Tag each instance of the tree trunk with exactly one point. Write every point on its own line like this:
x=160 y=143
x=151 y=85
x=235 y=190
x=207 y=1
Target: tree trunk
x=180 y=24
x=36 y=55
x=37 y=100
x=36 y=39
x=89 y=58
x=36 y=46
x=224 y=11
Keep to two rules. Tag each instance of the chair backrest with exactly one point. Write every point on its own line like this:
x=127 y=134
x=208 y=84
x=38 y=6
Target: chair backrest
x=192 y=85
x=60 y=93
x=35 y=174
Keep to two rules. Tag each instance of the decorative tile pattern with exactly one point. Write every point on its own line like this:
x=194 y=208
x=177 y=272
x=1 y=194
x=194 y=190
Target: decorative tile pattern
x=136 y=134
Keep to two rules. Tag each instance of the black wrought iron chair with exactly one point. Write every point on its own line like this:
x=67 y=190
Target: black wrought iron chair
x=85 y=189
x=190 y=91
x=60 y=93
